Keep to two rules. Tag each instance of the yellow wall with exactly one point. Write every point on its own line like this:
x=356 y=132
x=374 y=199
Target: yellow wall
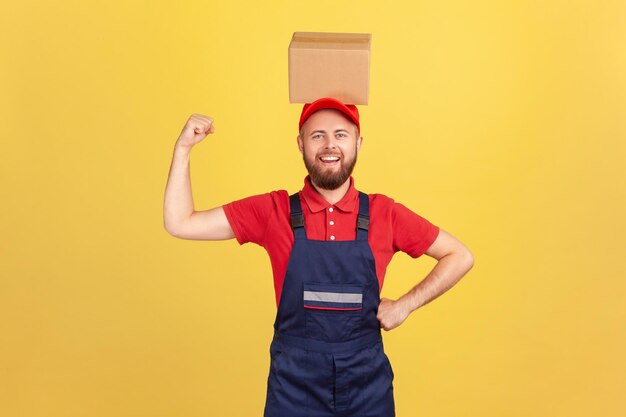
x=501 y=122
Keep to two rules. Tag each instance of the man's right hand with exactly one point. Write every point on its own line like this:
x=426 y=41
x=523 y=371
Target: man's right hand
x=197 y=128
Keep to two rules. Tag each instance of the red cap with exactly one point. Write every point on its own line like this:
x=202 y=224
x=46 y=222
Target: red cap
x=349 y=110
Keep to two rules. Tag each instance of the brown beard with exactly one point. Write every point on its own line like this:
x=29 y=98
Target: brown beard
x=329 y=180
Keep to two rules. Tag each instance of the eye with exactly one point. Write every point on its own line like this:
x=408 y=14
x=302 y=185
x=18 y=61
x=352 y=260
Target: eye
x=342 y=135
x=317 y=136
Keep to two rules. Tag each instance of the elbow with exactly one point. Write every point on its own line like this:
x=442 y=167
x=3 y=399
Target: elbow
x=174 y=225
x=468 y=259
x=169 y=228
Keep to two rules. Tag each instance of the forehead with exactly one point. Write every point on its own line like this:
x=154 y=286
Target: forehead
x=328 y=119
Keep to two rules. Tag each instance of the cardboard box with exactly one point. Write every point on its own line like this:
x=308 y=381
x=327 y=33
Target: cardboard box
x=329 y=65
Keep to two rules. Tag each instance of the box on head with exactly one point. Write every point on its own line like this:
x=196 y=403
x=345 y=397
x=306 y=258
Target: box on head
x=324 y=64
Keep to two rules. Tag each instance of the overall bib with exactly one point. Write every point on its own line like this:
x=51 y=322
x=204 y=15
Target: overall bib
x=327 y=355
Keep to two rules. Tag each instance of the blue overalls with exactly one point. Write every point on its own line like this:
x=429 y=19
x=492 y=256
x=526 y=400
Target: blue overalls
x=327 y=355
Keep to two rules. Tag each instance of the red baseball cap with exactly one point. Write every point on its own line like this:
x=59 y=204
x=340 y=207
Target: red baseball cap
x=349 y=110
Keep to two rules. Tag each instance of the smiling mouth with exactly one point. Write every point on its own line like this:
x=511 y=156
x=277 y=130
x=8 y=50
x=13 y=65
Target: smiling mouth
x=329 y=160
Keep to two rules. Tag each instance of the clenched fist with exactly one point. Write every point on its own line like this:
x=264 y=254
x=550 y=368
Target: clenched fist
x=391 y=313
x=197 y=128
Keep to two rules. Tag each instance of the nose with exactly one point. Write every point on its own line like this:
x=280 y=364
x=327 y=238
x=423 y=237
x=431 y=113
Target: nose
x=329 y=143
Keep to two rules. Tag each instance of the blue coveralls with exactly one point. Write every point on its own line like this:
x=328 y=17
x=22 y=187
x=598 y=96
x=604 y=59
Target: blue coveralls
x=327 y=356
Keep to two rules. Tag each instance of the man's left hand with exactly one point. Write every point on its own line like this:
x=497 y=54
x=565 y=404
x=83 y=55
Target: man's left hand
x=391 y=313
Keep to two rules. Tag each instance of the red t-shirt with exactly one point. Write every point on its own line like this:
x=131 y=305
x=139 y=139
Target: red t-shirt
x=264 y=219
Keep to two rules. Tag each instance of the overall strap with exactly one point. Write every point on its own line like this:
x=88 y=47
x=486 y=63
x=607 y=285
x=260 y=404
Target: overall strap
x=297 y=218
x=363 y=221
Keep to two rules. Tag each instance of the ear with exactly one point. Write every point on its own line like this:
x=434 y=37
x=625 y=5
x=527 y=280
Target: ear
x=300 y=144
x=358 y=143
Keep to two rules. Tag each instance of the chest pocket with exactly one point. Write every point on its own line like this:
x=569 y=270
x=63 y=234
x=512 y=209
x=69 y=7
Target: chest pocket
x=333 y=311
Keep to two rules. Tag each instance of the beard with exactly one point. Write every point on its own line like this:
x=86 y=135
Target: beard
x=326 y=178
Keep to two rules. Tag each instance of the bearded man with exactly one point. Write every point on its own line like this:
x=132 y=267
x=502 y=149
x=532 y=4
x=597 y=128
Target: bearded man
x=329 y=246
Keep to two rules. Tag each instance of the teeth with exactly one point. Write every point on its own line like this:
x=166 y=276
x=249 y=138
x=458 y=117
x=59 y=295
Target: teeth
x=330 y=158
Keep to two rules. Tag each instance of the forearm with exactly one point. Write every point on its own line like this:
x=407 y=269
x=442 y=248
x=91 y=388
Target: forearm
x=178 y=205
x=446 y=273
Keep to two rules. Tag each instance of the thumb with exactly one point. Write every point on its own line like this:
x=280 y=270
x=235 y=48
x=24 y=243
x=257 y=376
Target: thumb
x=209 y=129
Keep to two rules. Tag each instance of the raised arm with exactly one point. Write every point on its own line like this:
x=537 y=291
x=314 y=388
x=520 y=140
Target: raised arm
x=179 y=216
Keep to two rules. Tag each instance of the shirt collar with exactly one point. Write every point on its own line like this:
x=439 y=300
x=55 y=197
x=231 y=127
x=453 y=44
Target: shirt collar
x=316 y=202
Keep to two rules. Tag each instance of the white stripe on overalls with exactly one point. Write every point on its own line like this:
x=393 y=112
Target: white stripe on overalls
x=333 y=297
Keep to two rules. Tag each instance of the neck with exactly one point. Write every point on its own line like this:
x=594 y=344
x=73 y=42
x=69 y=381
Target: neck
x=333 y=196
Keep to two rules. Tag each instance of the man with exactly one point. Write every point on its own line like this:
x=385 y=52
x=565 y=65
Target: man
x=329 y=247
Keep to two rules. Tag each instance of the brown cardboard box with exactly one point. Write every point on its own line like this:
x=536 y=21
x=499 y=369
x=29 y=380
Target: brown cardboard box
x=329 y=65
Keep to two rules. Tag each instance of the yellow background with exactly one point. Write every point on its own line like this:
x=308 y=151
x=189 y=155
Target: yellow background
x=501 y=122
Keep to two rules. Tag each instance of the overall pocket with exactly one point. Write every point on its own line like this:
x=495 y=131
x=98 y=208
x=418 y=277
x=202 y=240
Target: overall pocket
x=333 y=311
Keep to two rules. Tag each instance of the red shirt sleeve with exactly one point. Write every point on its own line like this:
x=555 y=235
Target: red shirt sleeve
x=249 y=217
x=412 y=233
